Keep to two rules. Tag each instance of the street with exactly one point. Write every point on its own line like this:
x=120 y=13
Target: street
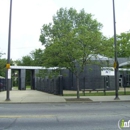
x=63 y=116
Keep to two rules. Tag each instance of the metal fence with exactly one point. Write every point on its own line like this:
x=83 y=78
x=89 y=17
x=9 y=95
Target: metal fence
x=2 y=84
x=52 y=86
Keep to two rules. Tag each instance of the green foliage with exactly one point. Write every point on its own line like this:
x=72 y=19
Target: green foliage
x=26 y=61
x=48 y=73
x=108 y=44
x=3 y=67
x=3 y=63
x=70 y=40
x=123 y=45
x=123 y=42
x=37 y=57
x=33 y=59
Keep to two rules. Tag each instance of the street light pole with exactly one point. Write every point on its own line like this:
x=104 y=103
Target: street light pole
x=116 y=61
x=8 y=78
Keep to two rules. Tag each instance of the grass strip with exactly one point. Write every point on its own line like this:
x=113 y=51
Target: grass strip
x=98 y=94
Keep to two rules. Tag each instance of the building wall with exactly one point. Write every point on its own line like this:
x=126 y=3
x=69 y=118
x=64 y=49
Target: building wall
x=90 y=78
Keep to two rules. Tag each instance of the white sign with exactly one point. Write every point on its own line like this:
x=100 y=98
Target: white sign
x=9 y=73
x=107 y=71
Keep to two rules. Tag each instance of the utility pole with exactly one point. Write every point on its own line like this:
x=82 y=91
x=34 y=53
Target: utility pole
x=8 y=71
x=116 y=61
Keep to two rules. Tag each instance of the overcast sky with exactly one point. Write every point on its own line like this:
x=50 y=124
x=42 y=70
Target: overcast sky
x=28 y=16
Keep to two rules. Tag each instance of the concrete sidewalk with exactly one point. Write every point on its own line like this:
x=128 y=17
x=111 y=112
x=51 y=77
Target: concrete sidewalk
x=33 y=96
x=30 y=96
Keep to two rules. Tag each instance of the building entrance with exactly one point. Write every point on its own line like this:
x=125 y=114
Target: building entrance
x=21 y=76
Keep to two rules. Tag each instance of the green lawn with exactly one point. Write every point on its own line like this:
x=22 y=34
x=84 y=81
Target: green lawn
x=26 y=87
x=99 y=94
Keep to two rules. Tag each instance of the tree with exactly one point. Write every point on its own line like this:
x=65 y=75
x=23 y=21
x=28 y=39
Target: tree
x=108 y=44
x=3 y=63
x=70 y=40
x=26 y=61
x=3 y=67
x=37 y=57
x=123 y=43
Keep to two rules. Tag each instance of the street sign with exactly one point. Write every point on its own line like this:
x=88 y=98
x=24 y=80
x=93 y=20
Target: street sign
x=7 y=66
x=115 y=65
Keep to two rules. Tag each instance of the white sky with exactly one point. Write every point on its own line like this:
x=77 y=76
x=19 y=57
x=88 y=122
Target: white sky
x=28 y=16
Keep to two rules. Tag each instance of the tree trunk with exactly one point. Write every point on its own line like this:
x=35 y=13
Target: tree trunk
x=77 y=84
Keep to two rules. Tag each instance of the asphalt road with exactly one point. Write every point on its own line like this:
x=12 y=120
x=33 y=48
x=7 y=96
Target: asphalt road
x=63 y=116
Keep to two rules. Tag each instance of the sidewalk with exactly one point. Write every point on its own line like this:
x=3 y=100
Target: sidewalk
x=30 y=96
x=33 y=96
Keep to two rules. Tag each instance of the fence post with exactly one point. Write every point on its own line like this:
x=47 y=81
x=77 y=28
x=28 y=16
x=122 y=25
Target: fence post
x=84 y=85
x=61 y=85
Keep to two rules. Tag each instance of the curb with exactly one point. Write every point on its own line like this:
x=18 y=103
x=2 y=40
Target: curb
x=28 y=102
x=8 y=102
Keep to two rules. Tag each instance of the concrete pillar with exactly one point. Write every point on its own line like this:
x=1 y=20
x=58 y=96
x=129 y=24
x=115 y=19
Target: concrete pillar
x=22 y=76
x=32 y=79
x=36 y=71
